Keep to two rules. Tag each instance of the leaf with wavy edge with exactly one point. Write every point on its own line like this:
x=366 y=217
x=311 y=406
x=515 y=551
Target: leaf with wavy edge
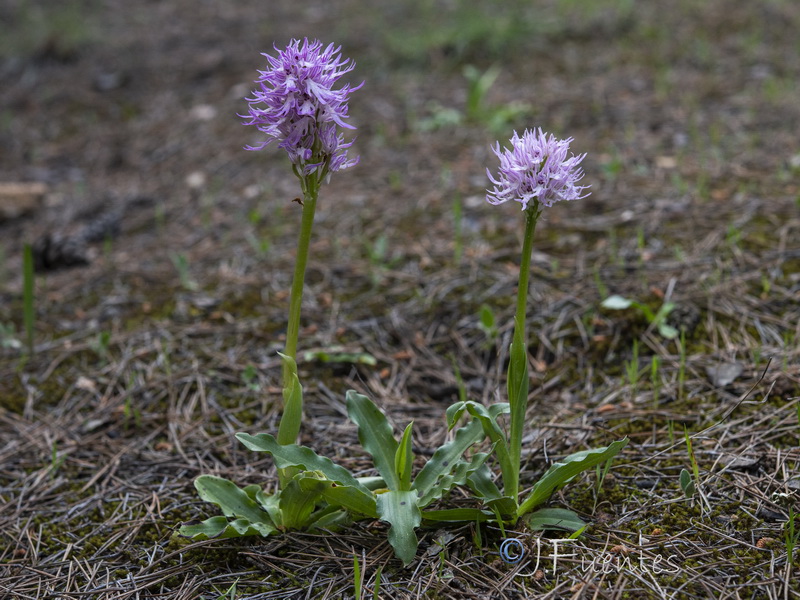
x=560 y=473
x=400 y=510
x=375 y=435
x=292 y=455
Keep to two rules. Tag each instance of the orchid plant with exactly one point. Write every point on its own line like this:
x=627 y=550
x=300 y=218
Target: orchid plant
x=536 y=172
x=296 y=104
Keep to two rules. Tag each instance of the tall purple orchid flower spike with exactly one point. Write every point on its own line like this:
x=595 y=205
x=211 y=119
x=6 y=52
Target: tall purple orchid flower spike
x=535 y=172
x=297 y=105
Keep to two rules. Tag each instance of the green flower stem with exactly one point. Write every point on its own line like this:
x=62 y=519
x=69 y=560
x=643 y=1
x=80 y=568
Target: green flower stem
x=290 y=420
x=518 y=371
x=296 y=299
x=531 y=217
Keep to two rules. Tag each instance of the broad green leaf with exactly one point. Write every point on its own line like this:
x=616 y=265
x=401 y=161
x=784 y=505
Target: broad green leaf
x=400 y=510
x=292 y=416
x=221 y=527
x=482 y=484
x=446 y=456
x=300 y=497
x=616 y=302
x=292 y=455
x=373 y=482
x=458 y=476
x=332 y=520
x=269 y=502
x=488 y=420
x=353 y=499
x=404 y=459
x=687 y=484
x=480 y=481
x=234 y=502
x=375 y=435
x=454 y=411
x=562 y=472
x=457 y=515
x=554 y=518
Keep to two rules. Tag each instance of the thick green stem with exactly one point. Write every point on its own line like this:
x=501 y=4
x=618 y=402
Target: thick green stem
x=292 y=415
x=518 y=368
x=296 y=298
x=531 y=216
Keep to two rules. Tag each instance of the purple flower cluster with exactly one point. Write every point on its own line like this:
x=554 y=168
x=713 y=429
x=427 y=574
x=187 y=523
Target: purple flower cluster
x=536 y=167
x=297 y=105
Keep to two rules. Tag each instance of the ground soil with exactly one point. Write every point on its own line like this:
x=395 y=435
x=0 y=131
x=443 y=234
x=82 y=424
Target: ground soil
x=153 y=351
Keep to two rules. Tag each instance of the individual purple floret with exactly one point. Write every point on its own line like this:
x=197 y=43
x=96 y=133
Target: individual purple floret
x=536 y=167
x=297 y=105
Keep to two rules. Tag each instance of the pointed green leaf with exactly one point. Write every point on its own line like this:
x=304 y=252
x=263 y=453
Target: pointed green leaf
x=292 y=416
x=234 y=502
x=488 y=420
x=372 y=482
x=292 y=455
x=562 y=472
x=300 y=497
x=687 y=484
x=457 y=515
x=518 y=385
x=517 y=382
x=404 y=459
x=269 y=502
x=663 y=312
x=375 y=435
x=480 y=482
x=454 y=412
x=220 y=527
x=332 y=520
x=554 y=518
x=446 y=456
x=458 y=476
x=353 y=499
x=486 y=317
x=400 y=510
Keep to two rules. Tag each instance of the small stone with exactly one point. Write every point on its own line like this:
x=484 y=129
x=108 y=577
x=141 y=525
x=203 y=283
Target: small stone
x=724 y=374
x=85 y=384
x=203 y=112
x=196 y=180
x=18 y=199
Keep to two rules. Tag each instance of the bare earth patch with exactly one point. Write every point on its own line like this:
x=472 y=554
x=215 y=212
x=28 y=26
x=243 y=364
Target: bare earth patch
x=160 y=343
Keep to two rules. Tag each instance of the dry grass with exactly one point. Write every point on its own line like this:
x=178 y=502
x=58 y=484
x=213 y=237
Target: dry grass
x=694 y=201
